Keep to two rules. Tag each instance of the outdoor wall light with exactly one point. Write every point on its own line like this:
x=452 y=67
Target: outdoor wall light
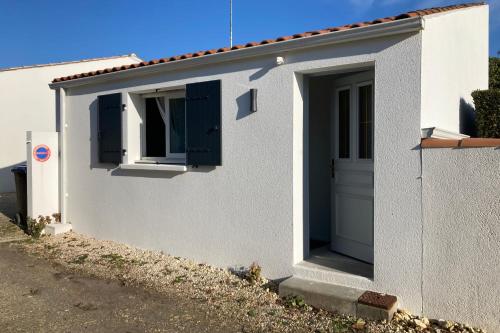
x=253 y=100
x=280 y=61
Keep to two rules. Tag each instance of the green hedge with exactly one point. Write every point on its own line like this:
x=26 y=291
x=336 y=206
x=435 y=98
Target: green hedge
x=494 y=73
x=487 y=103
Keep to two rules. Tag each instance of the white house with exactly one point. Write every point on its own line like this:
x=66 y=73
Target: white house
x=26 y=103
x=267 y=151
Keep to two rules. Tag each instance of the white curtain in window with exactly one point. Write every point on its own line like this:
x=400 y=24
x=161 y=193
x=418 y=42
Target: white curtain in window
x=161 y=108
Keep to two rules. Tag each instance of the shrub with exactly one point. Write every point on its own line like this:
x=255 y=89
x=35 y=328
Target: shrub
x=494 y=73
x=57 y=217
x=487 y=103
x=35 y=227
x=254 y=273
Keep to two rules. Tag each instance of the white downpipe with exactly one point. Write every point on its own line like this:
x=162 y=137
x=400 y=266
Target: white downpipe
x=61 y=103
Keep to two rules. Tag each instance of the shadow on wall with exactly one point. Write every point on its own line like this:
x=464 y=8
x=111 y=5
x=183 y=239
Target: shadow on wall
x=8 y=204
x=8 y=197
x=7 y=183
x=467 y=119
x=263 y=71
x=243 y=103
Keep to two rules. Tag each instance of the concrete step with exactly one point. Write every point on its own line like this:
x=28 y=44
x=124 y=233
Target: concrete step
x=341 y=299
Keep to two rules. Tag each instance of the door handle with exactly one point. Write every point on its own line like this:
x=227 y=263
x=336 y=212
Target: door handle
x=333 y=168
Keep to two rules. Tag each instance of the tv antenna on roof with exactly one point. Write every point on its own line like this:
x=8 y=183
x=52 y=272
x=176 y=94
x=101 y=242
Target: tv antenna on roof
x=230 y=23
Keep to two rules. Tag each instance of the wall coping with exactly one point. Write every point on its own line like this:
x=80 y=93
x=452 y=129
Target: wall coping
x=463 y=143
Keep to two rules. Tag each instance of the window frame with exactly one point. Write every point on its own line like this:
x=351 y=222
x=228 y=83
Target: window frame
x=169 y=158
x=336 y=140
x=357 y=109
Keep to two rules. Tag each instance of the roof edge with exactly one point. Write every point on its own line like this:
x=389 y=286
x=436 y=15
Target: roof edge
x=131 y=55
x=402 y=26
x=280 y=40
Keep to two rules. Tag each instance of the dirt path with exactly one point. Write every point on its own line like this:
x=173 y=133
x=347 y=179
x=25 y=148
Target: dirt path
x=37 y=296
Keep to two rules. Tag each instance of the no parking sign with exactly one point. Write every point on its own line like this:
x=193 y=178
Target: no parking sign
x=41 y=153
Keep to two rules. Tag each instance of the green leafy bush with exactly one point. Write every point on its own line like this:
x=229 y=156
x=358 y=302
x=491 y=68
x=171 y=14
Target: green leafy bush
x=494 y=73
x=487 y=103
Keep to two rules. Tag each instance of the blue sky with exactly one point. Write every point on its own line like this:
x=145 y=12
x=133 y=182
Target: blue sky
x=34 y=32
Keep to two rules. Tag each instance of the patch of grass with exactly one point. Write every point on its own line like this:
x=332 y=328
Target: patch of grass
x=30 y=241
x=180 y=278
x=294 y=301
x=138 y=262
x=252 y=313
x=340 y=325
x=115 y=259
x=80 y=259
x=272 y=312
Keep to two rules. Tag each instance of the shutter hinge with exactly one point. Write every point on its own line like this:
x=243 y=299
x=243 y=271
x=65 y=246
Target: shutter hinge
x=124 y=107
x=124 y=152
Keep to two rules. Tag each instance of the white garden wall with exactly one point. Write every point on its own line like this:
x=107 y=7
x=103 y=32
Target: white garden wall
x=461 y=235
x=28 y=104
x=454 y=63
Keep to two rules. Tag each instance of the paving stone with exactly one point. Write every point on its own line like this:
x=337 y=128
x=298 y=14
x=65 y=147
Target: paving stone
x=322 y=295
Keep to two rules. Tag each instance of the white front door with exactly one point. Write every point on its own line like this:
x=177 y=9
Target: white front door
x=352 y=168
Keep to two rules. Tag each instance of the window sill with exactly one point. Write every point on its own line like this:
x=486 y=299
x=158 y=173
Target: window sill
x=154 y=167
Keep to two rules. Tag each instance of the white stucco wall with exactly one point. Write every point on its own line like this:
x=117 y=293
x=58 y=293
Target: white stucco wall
x=461 y=235
x=244 y=210
x=27 y=103
x=454 y=63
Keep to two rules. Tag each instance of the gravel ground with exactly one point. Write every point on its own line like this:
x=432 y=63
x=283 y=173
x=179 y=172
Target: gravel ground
x=37 y=295
x=224 y=296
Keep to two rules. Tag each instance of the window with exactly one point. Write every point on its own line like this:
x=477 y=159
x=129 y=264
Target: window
x=365 y=120
x=344 y=100
x=165 y=127
x=174 y=128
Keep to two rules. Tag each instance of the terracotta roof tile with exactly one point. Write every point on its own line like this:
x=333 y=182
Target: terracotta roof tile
x=415 y=13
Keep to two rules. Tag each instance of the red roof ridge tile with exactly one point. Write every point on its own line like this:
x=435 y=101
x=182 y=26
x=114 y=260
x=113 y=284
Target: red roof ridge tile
x=411 y=14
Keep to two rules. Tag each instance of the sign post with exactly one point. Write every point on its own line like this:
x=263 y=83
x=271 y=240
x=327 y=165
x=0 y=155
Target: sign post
x=42 y=173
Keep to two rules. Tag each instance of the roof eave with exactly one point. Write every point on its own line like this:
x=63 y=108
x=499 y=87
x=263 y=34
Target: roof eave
x=70 y=62
x=373 y=31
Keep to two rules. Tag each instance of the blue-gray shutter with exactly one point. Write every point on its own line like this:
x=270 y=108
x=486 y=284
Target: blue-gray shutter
x=203 y=123
x=110 y=128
